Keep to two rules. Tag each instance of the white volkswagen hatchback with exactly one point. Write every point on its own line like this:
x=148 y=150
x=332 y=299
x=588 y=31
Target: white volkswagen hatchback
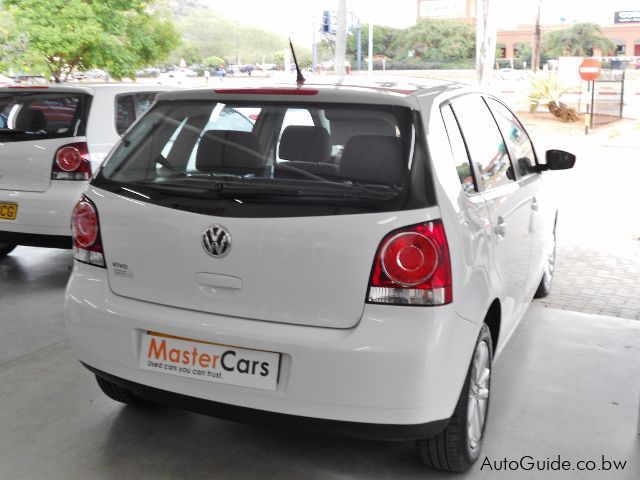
x=343 y=259
x=51 y=140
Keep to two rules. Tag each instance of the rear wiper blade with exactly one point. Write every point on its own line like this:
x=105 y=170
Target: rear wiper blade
x=238 y=190
x=12 y=130
x=219 y=189
x=188 y=190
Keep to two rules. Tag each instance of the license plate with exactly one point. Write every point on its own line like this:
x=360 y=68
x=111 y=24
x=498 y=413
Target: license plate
x=8 y=211
x=209 y=362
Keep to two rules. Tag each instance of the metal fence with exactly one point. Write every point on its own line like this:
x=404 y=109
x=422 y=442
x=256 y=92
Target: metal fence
x=607 y=97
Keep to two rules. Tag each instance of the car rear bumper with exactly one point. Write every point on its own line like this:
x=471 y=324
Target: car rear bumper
x=36 y=240
x=279 y=420
x=43 y=218
x=400 y=366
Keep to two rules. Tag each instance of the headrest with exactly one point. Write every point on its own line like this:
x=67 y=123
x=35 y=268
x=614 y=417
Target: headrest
x=315 y=168
x=347 y=123
x=305 y=144
x=372 y=158
x=30 y=120
x=229 y=149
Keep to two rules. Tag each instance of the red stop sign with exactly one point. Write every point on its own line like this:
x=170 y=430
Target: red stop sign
x=589 y=69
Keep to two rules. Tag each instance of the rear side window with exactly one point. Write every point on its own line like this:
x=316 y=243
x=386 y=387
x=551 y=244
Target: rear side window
x=25 y=116
x=518 y=141
x=130 y=107
x=484 y=142
x=460 y=157
x=253 y=153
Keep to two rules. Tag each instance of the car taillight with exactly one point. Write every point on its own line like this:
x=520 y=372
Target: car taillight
x=412 y=267
x=72 y=163
x=85 y=228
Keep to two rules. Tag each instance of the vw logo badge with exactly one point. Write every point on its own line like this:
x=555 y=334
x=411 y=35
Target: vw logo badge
x=216 y=241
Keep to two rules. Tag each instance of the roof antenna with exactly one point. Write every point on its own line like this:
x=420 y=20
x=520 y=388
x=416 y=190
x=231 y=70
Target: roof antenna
x=300 y=78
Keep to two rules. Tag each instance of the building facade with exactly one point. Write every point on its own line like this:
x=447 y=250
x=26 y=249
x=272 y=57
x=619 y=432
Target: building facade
x=624 y=30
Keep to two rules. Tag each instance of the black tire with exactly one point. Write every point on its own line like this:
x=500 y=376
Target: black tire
x=122 y=395
x=544 y=288
x=454 y=449
x=6 y=248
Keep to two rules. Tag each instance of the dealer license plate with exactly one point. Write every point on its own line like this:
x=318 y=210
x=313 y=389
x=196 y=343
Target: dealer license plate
x=209 y=361
x=8 y=211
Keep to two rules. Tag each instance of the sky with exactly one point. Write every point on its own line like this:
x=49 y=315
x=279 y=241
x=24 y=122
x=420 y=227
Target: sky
x=295 y=17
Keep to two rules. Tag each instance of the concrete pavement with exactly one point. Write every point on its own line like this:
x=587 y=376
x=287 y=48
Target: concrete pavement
x=566 y=386
x=598 y=258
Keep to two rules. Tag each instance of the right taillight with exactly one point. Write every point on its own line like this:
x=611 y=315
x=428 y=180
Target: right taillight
x=85 y=228
x=412 y=267
x=71 y=162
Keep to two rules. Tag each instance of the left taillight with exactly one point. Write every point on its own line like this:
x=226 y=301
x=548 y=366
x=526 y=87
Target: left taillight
x=71 y=162
x=85 y=228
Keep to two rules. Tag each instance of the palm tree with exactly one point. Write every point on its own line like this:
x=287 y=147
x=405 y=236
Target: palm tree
x=578 y=41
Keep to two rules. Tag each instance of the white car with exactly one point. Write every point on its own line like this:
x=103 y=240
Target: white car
x=342 y=266
x=51 y=140
x=174 y=77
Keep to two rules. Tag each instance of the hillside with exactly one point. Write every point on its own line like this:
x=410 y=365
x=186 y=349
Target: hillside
x=206 y=33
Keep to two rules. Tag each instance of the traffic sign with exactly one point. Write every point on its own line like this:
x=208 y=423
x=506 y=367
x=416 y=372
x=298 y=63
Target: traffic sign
x=589 y=69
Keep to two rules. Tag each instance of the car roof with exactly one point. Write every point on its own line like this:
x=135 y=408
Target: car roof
x=90 y=88
x=387 y=91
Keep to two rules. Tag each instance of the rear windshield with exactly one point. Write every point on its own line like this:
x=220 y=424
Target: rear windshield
x=267 y=159
x=130 y=107
x=26 y=116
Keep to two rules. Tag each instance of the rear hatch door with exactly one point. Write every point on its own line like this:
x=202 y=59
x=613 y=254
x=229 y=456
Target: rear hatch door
x=299 y=270
x=33 y=126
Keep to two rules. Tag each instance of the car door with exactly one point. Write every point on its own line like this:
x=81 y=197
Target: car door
x=524 y=158
x=508 y=204
x=474 y=225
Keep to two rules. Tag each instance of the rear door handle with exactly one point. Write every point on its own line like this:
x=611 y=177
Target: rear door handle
x=501 y=227
x=535 y=205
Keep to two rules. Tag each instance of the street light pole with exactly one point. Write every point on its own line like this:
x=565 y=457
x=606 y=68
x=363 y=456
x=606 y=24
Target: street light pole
x=359 y=45
x=370 y=46
x=341 y=38
x=314 y=51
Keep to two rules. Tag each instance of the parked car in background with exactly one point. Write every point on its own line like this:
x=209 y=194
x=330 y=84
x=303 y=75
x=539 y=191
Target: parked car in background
x=52 y=139
x=173 y=77
x=335 y=258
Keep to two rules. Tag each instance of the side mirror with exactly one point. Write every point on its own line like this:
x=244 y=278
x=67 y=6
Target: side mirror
x=557 y=160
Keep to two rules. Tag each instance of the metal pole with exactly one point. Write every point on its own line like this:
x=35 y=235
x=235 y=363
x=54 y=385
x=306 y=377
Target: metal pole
x=622 y=93
x=370 y=46
x=593 y=92
x=359 y=47
x=587 y=120
x=314 y=52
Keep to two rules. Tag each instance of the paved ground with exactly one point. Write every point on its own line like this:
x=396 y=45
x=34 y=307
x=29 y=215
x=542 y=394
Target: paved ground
x=598 y=260
x=561 y=388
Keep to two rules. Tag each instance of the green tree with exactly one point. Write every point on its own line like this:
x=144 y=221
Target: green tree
x=383 y=41
x=117 y=35
x=213 y=61
x=437 y=40
x=579 y=40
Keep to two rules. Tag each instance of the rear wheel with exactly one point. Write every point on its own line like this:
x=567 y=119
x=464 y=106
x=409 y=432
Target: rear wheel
x=458 y=446
x=6 y=248
x=122 y=395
